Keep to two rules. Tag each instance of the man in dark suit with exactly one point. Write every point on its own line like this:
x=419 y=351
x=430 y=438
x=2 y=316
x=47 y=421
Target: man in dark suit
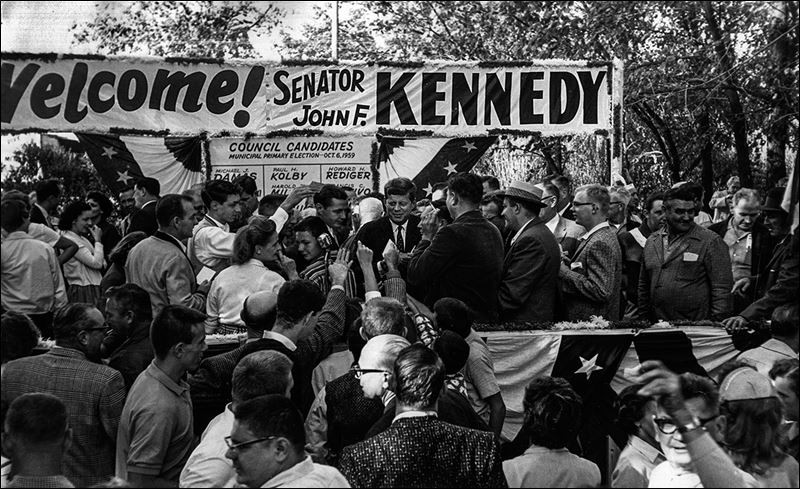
x=632 y=245
x=463 y=260
x=529 y=287
x=399 y=225
x=425 y=452
x=48 y=194
x=591 y=281
x=750 y=245
x=145 y=192
x=686 y=271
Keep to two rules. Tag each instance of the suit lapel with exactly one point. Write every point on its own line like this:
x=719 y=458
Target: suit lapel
x=561 y=229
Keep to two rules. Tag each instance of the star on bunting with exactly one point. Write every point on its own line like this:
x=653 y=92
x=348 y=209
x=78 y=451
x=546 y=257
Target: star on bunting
x=469 y=146
x=588 y=366
x=124 y=177
x=451 y=168
x=109 y=151
x=429 y=189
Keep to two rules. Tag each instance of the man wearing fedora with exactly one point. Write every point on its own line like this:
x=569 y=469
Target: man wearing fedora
x=529 y=287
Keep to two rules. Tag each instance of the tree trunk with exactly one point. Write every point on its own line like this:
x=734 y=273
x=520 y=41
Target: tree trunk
x=736 y=114
x=706 y=155
x=778 y=123
x=662 y=136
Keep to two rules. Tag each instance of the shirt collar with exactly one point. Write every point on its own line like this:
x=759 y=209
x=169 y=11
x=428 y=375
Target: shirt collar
x=255 y=262
x=177 y=388
x=537 y=449
x=387 y=397
x=395 y=226
x=589 y=233
x=61 y=351
x=293 y=473
x=647 y=450
x=416 y=414
x=18 y=235
x=44 y=211
x=271 y=335
x=217 y=223
x=521 y=229
x=553 y=223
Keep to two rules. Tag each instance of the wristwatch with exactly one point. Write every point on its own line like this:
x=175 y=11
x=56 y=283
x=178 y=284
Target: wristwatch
x=691 y=425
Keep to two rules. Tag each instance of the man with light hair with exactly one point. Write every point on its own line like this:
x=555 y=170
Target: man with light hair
x=592 y=280
x=749 y=245
x=375 y=370
x=370 y=209
x=721 y=200
x=257 y=374
x=618 y=210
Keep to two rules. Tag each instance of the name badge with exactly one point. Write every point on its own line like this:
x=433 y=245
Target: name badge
x=690 y=256
x=574 y=265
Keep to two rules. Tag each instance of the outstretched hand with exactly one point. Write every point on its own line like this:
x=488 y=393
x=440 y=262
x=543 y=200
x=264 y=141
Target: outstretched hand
x=338 y=270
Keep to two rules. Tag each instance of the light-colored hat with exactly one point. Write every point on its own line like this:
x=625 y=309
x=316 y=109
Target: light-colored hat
x=744 y=384
x=526 y=191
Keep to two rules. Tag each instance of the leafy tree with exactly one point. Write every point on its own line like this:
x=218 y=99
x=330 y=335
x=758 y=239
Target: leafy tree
x=706 y=83
x=190 y=29
x=74 y=172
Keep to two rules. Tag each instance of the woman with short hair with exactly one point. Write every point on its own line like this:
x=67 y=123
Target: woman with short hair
x=254 y=247
x=84 y=271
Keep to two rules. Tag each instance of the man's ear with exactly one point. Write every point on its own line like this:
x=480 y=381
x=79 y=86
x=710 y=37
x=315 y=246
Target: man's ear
x=8 y=445
x=362 y=333
x=319 y=208
x=130 y=317
x=282 y=448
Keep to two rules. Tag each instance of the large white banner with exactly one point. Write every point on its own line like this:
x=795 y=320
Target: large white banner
x=69 y=93
x=280 y=164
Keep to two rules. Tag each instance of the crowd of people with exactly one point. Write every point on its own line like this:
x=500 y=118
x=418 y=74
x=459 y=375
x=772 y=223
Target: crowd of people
x=356 y=360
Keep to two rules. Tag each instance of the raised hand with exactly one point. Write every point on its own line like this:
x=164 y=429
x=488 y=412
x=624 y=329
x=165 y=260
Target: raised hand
x=364 y=256
x=338 y=269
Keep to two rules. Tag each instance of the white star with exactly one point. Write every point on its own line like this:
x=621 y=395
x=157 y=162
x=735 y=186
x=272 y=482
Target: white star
x=451 y=168
x=124 y=177
x=469 y=146
x=588 y=366
x=109 y=151
x=429 y=189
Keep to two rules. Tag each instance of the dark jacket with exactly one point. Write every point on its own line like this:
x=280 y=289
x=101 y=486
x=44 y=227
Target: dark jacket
x=376 y=234
x=592 y=282
x=425 y=452
x=529 y=287
x=464 y=261
x=632 y=250
x=693 y=283
x=350 y=414
x=134 y=355
x=782 y=280
x=37 y=216
x=144 y=219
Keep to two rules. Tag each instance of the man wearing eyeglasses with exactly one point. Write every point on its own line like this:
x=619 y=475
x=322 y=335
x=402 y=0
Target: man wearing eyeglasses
x=702 y=400
x=618 y=210
x=686 y=272
x=93 y=393
x=266 y=447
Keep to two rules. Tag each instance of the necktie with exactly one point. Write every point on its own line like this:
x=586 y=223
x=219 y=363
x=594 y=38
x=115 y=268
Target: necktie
x=401 y=244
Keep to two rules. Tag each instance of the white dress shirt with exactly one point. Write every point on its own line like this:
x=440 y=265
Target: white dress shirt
x=207 y=465
x=31 y=278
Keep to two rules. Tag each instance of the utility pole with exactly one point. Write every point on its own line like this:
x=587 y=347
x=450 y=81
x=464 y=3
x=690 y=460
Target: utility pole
x=335 y=32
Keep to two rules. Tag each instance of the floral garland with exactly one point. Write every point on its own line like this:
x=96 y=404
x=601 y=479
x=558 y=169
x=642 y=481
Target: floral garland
x=599 y=323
